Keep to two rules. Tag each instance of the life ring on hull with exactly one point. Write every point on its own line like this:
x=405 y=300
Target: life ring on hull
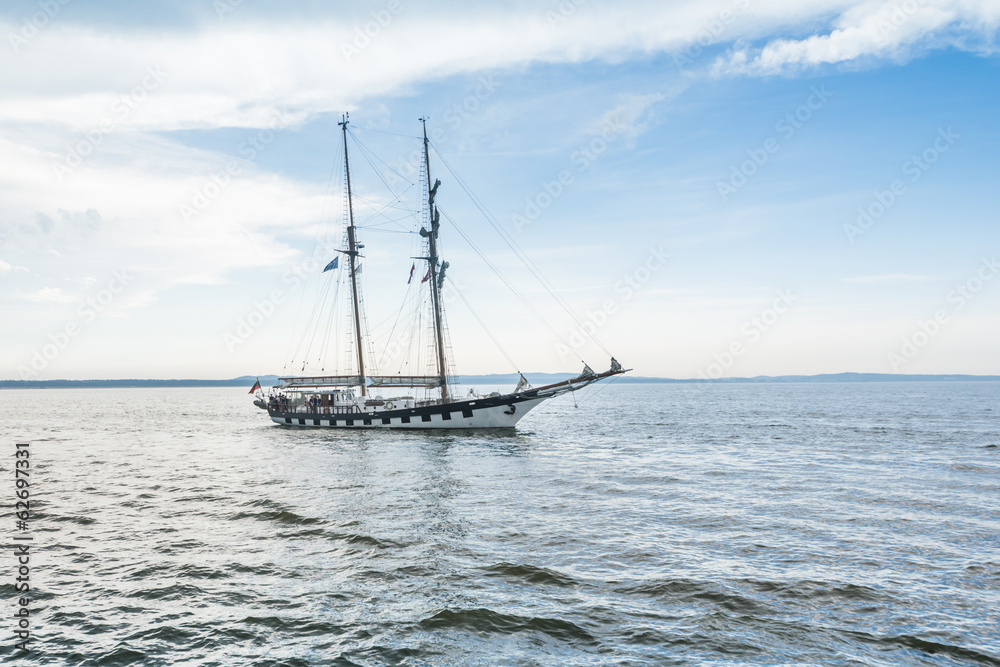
x=388 y=405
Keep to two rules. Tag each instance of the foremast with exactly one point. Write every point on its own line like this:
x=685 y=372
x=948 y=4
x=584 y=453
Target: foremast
x=352 y=253
x=436 y=273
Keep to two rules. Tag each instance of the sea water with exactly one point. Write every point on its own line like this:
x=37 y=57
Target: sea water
x=723 y=524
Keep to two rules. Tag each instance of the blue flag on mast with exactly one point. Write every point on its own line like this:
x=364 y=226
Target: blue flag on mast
x=332 y=265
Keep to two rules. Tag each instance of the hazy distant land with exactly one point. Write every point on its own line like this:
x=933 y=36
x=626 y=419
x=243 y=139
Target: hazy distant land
x=536 y=379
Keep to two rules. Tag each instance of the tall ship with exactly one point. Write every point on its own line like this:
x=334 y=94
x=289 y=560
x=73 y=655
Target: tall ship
x=358 y=399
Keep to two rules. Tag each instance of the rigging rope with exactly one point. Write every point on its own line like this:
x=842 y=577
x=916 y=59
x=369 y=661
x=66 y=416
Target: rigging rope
x=330 y=189
x=604 y=385
x=483 y=324
x=395 y=134
x=509 y=285
x=528 y=263
x=369 y=156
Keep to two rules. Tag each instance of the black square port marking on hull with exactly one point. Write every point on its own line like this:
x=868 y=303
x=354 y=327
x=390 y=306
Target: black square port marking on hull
x=350 y=422
x=405 y=419
x=302 y=422
x=368 y=422
x=425 y=418
x=467 y=413
x=446 y=416
x=288 y=420
x=315 y=422
x=386 y=420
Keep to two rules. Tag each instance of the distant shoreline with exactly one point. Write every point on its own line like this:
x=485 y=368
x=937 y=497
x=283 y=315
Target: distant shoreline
x=511 y=378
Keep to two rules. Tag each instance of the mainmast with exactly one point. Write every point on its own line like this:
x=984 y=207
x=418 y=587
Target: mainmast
x=352 y=253
x=433 y=261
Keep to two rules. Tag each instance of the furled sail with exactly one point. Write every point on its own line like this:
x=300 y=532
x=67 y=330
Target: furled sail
x=322 y=381
x=405 y=381
x=444 y=267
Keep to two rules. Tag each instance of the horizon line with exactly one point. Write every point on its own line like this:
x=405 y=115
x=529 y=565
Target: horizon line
x=470 y=376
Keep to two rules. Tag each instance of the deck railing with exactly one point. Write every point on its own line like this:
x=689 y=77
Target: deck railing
x=301 y=408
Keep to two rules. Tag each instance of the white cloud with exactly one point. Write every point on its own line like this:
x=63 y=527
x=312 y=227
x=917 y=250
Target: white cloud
x=129 y=300
x=242 y=73
x=121 y=209
x=631 y=119
x=48 y=294
x=7 y=267
x=896 y=29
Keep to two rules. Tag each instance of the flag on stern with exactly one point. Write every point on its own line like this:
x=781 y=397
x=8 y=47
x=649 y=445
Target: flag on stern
x=427 y=277
x=332 y=265
x=255 y=387
x=412 y=269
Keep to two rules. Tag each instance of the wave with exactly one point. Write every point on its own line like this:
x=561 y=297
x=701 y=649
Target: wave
x=529 y=574
x=121 y=655
x=298 y=626
x=489 y=621
x=928 y=647
x=283 y=516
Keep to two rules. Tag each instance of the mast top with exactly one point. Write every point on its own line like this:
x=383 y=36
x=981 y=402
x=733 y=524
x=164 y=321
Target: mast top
x=344 y=120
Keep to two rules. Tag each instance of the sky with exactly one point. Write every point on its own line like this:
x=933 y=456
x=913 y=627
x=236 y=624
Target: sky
x=714 y=189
